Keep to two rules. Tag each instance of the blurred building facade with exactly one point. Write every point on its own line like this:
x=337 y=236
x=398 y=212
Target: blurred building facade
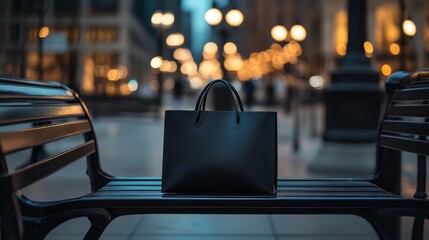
x=326 y=25
x=98 y=46
x=94 y=46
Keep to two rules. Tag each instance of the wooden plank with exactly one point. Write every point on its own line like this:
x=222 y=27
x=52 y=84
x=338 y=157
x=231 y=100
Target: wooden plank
x=22 y=139
x=12 y=114
x=46 y=167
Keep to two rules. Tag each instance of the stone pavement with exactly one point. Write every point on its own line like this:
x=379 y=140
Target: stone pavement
x=131 y=145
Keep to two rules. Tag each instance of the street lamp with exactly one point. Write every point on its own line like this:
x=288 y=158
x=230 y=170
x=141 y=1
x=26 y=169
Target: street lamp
x=161 y=22
x=409 y=28
x=213 y=16
x=298 y=32
x=233 y=18
x=279 y=33
x=175 y=40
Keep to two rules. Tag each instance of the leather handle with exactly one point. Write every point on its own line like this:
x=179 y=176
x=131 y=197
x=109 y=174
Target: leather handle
x=203 y=91
x=200 y=106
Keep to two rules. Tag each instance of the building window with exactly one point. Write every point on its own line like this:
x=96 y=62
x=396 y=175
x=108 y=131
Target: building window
x=101 y=35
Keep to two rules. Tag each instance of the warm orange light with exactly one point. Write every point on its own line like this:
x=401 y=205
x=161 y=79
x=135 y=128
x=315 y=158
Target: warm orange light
x=394 y=48
x=230 y=48
x=341 y=49
x=279 y=33
x=156 y=62
x=386 y=69
x=182 y=54
x=43 y=32
x=409 y=27
x=165 y=20
x=234 y=18
x=368 y=47
x=210 y=48
x=175 y=40
x=156 y=18
x=213 y=16
x=168 y=19
x=298 y=32
x=113 y=75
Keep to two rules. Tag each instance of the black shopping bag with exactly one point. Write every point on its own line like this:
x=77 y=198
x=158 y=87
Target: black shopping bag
x=220 y=152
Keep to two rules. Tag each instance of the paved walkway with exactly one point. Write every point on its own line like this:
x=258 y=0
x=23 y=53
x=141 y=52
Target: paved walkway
x=131 y=145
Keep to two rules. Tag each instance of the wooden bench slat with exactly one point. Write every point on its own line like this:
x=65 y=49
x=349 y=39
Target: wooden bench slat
x=43 y=168
x=18 y=140
x=406 y=127
x=20 y=114
x=409 y=110
x=405 y=144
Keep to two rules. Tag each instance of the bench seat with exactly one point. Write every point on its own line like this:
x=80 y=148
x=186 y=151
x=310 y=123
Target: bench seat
x=125 y=196
x=33 y=114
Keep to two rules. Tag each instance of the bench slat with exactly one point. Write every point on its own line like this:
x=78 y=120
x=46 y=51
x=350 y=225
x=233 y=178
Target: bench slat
x=404 y=144
x=411 y=94
x=281 y=183
x=280 y=189
x=157 y=194
x=409 y=110
x=46 y=167
x=18 y=140
x=407 y=127
x=34 y=91
x=287 y=188
x=20 y=114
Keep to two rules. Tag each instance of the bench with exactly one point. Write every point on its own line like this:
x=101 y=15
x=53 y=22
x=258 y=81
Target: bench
x=35 y=113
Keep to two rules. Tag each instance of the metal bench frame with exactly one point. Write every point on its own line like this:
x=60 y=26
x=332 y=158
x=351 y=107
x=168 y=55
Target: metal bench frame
x=56 y=112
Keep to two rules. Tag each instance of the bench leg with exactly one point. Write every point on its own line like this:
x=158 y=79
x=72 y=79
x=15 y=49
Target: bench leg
x=39 y=228
x=386 y=229
x=418 y=229
x=98 y=224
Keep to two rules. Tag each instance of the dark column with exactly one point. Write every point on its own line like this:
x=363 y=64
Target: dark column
x=353 y=99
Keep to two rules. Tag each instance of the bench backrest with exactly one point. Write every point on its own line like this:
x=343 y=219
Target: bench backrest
x=33 y=114
x=404 y=125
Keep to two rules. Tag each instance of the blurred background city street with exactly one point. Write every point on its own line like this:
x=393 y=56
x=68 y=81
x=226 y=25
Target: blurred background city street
x=321 y=65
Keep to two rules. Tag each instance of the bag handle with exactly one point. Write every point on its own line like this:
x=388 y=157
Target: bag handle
x=200 y=106
x=202 y=93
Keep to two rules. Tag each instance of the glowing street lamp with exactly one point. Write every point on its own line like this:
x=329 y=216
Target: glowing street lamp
x=409 y=27
x=298 y=32
x=234 y=17
x=162 y=21
x=175 y=40
x=213 y=16
x=279 y=33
